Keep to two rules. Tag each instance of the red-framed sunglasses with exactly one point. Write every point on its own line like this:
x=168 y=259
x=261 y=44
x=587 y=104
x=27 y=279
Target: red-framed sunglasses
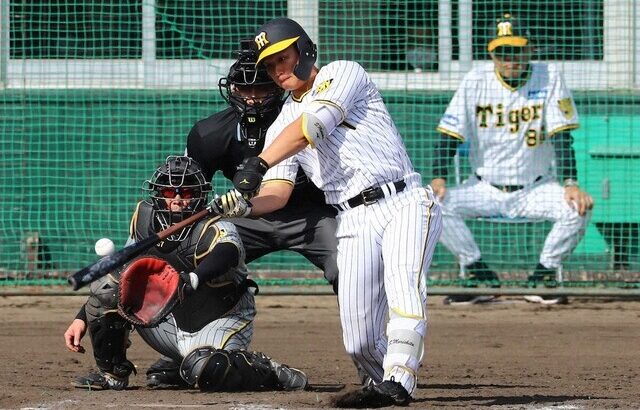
x=184 y=192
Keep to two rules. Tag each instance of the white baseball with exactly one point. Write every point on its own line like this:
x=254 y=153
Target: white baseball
x=104 y=247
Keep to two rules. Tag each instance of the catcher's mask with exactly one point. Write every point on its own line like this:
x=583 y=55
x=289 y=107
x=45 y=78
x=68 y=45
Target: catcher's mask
x=251 y=92
x=178 y=176
x=278 y=34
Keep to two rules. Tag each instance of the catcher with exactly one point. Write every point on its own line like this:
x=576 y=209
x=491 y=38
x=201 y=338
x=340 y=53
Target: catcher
x=188 y=297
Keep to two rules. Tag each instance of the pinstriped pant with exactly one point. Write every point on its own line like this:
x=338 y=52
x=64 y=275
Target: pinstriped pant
x=384 y=253
x=230 y=332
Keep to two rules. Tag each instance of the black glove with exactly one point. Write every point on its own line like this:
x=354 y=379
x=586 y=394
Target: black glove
x=187 y=285
x=248 y=178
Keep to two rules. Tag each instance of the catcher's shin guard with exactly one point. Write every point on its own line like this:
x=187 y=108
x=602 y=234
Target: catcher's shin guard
x=108 y=330
x=219 y=370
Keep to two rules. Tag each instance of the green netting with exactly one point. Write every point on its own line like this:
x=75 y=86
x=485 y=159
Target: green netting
x=94 y=94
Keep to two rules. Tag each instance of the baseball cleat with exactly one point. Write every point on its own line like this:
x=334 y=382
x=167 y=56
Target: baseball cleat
x=290 y=378
x=101 y=381
x=387 y=393
x=165 y=373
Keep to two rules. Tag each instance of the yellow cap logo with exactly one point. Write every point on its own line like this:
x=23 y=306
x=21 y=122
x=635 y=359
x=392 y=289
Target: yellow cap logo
x=505 y=29
x=261 y=40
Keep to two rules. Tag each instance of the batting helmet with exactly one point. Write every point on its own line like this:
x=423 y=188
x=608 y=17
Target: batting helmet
x=278 y=34
x=178 y=175
x=261 y=105
x=510 y=33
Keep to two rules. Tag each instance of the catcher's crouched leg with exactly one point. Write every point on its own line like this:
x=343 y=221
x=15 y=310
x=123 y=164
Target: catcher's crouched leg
x=219 y=370
x=109 y=337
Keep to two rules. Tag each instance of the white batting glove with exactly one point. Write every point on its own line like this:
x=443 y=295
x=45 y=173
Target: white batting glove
x=231 y=205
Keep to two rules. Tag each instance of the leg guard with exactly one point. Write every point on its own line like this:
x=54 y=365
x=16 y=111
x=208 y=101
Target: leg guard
x=219 y=370
x=108 y=330
x=165 y=372
x=405 y=351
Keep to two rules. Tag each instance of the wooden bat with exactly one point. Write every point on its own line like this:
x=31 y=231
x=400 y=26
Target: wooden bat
x=109 y=263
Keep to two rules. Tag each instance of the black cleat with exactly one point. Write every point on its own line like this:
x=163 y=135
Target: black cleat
x=165 y=373
x=101 y=380
x=387 y=393
x=290 y=378
x=543 y=275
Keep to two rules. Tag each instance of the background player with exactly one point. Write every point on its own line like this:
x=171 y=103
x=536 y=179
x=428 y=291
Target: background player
x=337 y=128
x=306 y=224
x=515 y=115
x=213 y=324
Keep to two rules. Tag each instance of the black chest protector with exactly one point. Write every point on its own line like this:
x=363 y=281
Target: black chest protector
x=212 y=300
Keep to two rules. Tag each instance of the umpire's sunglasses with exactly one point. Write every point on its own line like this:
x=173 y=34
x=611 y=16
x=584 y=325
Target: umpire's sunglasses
x=184 y=192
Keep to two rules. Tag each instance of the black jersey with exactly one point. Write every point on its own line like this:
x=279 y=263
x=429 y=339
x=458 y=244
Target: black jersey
x=217 y=144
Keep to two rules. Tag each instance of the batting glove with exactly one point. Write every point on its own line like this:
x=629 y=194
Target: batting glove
x=249 y=176
x=232 y=205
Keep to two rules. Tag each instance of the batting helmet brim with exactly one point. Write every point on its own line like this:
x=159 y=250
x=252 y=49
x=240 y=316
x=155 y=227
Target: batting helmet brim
x=276 y=48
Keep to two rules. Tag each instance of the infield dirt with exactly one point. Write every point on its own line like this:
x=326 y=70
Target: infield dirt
x=512 y=355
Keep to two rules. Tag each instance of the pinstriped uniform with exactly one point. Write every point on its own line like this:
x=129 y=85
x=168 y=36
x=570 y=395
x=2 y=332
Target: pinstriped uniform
x=384 y=248
x=509 y=131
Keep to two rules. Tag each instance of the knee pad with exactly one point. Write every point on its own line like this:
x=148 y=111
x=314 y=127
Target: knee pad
x=103 y=298
x=405 y=344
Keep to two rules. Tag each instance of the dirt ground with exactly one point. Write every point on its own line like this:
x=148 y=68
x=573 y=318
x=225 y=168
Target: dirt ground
x=512 y=355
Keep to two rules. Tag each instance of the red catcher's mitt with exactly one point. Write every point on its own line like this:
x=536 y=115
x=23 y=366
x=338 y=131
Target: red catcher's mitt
x=148 y=291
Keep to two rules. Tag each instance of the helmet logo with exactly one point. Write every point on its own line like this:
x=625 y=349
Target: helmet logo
x=261 y=40
x=505 y=29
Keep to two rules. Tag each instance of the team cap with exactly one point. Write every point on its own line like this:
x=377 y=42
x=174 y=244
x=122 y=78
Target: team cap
x=509 y=32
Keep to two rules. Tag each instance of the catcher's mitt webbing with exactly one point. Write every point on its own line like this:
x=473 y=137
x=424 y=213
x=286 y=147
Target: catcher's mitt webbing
x=148 y=291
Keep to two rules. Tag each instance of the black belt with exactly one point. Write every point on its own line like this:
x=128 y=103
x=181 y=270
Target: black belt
x=509 y=188
x=372 y=195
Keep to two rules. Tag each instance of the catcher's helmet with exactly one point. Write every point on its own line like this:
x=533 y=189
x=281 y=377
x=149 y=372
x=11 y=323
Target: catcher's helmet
x=510 y=32
x=278 y=34
x=178 y=175
x=245 y=75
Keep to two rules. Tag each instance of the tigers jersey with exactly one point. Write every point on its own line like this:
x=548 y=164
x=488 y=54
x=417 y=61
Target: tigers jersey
x=355 y=155
x=509 y=128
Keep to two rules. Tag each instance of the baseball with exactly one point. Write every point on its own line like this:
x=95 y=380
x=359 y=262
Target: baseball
x=104 y=247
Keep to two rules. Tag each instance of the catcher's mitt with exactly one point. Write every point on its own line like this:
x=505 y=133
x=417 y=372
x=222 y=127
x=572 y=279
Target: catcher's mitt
x=148 y=291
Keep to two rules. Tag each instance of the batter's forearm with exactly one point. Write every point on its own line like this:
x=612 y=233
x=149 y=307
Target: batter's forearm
x=290 y=141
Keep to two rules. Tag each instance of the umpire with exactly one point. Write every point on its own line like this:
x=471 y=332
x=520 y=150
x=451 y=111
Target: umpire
x=221 y=142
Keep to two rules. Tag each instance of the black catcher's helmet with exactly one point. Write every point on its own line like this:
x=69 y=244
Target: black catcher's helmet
x=278 y=34
x=245 y=75
x=178 y=175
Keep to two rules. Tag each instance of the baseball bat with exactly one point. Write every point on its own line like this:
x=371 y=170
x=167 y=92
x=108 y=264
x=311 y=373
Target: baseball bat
x=108 y=263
